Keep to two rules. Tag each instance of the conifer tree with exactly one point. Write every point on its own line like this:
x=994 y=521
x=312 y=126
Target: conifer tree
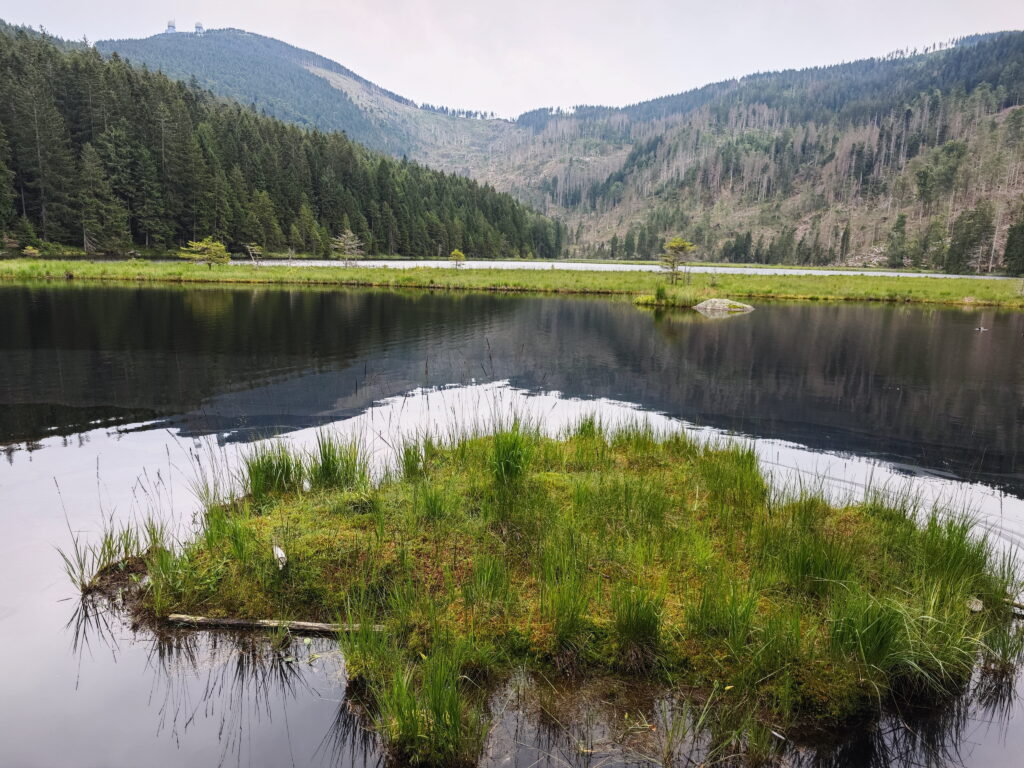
x=103 y=215
x=674 y=256
x=6 y=185
x=1013 y=257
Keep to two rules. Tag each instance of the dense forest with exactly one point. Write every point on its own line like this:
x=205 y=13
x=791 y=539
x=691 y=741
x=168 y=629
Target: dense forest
x=912 y=159
x=98 y=154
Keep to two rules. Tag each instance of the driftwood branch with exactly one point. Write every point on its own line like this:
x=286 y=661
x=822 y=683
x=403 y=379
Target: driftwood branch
x=296 y=627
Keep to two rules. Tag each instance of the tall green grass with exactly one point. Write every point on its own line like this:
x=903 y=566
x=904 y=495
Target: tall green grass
x=426 y=715
x=85 y=562
x=512 y=451
x=637 y=615
x=272 y=468
x=490 y=585
x=336 y=464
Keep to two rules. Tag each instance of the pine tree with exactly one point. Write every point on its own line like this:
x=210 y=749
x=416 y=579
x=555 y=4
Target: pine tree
x=1013 y=257
x=6 y=185
x=43 y=157
x=206 y=251
x=972 y=234
x=674 y=256
x=103 y=216
x=267 y=229
x=896 y=250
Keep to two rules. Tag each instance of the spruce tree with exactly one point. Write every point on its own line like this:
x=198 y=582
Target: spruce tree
x=6 y=185
x=1013 y=256
x=103 y=216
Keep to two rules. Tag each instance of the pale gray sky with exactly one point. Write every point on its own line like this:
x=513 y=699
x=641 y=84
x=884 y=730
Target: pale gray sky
x=510 y=56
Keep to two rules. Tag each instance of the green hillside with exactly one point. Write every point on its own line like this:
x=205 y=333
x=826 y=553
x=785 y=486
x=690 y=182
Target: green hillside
x=99 y=154
x=266 y=73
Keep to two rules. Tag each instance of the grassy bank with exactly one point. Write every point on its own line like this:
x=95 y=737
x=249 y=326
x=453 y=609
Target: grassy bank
x=929 y=290
x=599 y=553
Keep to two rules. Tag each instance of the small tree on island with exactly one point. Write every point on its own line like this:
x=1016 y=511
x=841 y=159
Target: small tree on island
x=674 y=256
x=206 y=251
x=457 y=258
x=347 y=245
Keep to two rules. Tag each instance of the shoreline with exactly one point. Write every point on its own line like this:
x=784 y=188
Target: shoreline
x=949 y=291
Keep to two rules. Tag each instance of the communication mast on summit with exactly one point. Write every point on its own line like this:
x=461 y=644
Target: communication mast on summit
x=171 y=28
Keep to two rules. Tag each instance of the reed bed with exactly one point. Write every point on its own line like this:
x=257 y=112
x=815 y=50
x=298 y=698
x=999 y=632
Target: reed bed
x=600 y=552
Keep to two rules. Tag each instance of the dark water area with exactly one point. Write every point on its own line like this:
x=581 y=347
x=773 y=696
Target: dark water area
x=103 y=392
x=916 y=386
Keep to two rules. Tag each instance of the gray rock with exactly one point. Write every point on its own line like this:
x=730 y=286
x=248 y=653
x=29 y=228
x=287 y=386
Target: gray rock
x=722 y=308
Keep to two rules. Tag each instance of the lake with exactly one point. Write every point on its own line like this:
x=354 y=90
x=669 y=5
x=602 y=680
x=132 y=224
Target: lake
x=111 y=397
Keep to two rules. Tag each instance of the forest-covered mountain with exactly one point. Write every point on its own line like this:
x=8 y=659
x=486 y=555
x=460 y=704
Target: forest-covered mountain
x=99 y=154
x=272 y=76
x=874 y=160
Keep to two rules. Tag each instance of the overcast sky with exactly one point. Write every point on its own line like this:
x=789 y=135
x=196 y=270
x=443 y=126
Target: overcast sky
x=516 y=55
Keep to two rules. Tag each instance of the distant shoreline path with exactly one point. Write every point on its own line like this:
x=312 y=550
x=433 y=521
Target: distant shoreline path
x=589 y=266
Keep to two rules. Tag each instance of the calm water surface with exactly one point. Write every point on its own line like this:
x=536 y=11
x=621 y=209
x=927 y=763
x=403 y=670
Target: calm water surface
x=107 y=395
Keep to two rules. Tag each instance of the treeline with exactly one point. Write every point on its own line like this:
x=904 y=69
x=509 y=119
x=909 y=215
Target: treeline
x=101 y=155
x=472 y=114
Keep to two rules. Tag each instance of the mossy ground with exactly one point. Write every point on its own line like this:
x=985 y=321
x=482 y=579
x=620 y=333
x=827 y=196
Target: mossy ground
x=620 y=553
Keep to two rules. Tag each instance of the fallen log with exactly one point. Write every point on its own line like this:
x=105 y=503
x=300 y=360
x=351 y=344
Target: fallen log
x=296 y=627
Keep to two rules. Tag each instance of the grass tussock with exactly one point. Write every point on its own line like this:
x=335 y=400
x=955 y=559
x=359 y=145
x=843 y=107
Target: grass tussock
x=336 y=464
x=604 y=551
x=271 y=468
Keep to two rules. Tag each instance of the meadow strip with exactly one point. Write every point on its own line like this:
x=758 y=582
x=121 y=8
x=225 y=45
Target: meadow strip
x=881 y=288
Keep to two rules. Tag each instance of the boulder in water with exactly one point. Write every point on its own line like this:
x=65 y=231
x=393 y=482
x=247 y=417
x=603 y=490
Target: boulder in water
x=722 y=308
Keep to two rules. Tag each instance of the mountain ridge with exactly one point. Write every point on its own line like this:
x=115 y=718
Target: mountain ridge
x=625 y=177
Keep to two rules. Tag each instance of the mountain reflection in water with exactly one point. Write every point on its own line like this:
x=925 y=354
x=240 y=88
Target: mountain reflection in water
x=914 y=386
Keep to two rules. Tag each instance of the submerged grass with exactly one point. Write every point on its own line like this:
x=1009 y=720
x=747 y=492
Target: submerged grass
x=605 y=551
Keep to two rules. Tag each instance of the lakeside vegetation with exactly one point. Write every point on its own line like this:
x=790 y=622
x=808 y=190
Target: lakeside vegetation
x=602 y=552
x=694 y=288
